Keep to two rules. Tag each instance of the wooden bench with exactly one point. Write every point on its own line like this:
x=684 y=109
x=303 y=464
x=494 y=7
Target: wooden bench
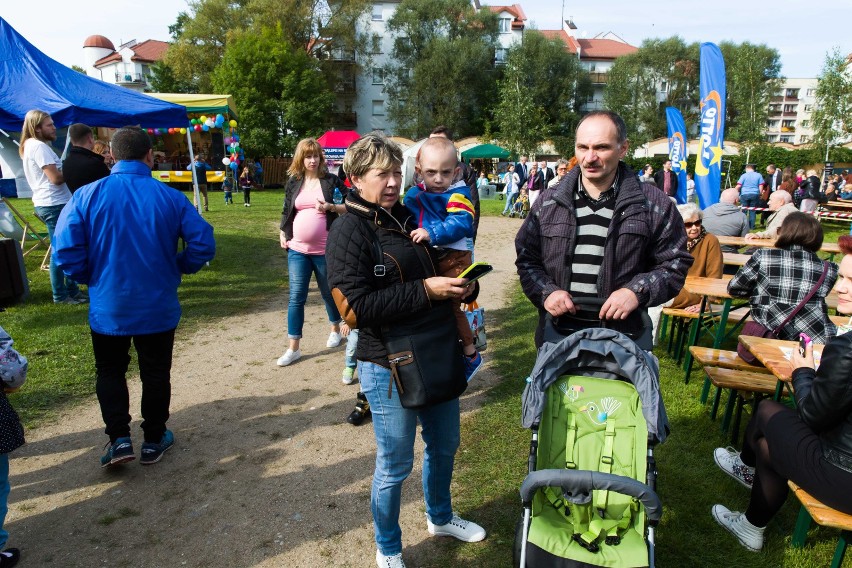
x=824 y=516
x=710 y=357
x=678 y=332
x=741 y=383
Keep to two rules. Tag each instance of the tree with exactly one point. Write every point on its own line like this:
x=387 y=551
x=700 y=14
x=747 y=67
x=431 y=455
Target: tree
x=753 y=77
x=441 y=69
x=313 y=26
x=163 y=79
x=78 y=69
x=661 y=73
x=540 y=95
x=832 y=116
x=282 y=93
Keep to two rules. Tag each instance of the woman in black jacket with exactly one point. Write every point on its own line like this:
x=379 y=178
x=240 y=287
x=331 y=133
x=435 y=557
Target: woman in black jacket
x=313 y=199
x=811 y=445
x=370 y=293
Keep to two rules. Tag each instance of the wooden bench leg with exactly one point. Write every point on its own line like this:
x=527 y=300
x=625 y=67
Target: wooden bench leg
x=800 y=532
x=729 y=409
x=840 y=551
x=705 y=391
x=738 y=416
x=714 y=410
x=664 y=321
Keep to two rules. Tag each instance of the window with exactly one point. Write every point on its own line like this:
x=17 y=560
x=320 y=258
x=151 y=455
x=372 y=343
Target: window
x=664 y=86
x=505 y=25
x=789 y=108
x=774 y=108
x=787 y=139
x=500 y=55
x=792 y=93
x=788 y=123
x=806 y=124
x=378 y=108
x=772 y=125
x=378 y=76
x=809 y=108
x=377 y=13
x=811 y=92
x=804 y=139
x=772 y=138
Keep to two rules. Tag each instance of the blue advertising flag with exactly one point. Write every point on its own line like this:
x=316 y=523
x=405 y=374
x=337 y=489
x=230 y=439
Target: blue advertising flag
x=708 y=161
x=678 y=151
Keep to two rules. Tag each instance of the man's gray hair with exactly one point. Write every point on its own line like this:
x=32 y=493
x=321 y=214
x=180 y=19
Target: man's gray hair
x=130 y=143
x=783 y=196
x=730 y=195
x=620 y=127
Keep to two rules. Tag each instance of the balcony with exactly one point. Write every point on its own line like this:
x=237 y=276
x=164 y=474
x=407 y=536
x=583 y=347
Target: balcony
x=345 y=87
x=341 y=55
x=599 y=78
x=344 y=120
x=128 y=78
x=788 y=129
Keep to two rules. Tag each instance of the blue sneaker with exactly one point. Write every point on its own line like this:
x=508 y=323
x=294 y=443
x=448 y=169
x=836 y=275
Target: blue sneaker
x=120 y=451
x=472 y=365
x=152 y=452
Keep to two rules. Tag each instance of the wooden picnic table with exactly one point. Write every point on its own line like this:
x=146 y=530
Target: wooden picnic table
x=769 y=352
x=734 y=258
x=831 y=248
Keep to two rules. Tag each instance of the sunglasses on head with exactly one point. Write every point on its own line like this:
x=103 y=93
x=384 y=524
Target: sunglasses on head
x=692 y=224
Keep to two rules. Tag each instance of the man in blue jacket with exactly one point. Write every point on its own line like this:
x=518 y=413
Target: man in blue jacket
x=121 y=236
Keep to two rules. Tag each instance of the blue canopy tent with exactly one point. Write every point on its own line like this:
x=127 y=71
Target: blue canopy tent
x=31 y=80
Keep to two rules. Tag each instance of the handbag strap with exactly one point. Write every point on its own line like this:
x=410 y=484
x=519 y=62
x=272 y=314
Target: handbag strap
x=806 y=300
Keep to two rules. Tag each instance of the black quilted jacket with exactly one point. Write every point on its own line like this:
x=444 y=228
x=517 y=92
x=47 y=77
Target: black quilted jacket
x=367 y=300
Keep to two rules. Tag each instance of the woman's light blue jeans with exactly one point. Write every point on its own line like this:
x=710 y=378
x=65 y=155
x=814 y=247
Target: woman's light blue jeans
x=395 y=428
x=300 y=267
x=351 y=346
x=62 y=286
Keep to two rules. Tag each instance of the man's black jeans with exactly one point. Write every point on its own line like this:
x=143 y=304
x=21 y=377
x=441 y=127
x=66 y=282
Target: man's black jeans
x=112 y=356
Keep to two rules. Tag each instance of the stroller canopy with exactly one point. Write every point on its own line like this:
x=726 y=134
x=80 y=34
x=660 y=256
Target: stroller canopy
x=602 y=349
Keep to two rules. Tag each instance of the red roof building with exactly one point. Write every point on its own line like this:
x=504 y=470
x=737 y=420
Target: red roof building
x=128 y=66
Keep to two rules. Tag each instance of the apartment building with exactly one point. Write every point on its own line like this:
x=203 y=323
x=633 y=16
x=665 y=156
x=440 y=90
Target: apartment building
x=790 y=111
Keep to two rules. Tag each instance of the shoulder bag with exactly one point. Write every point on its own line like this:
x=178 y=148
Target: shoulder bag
x=424 y=351
x=757 y=330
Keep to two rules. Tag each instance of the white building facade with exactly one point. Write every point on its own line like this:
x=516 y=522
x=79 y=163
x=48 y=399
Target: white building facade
x=127 y=66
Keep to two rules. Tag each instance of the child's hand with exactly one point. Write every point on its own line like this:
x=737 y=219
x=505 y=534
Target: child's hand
x=420 y=236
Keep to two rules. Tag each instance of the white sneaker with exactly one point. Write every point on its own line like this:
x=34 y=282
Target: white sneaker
x=289 y=356
x=466 y=531
x=334 y=339
x=394 y=561
x=736 y=523
x=729 y=461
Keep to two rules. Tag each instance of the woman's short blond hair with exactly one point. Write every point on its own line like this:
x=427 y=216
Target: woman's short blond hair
x=307 y=147
x=369 y=152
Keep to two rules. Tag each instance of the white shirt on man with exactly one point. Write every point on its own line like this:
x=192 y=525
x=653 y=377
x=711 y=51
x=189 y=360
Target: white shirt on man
x=37 y=155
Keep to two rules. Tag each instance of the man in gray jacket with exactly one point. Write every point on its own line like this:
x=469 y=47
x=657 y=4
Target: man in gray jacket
x=725 y=219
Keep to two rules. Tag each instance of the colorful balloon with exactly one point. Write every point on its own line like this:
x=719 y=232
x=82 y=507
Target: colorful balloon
x=202 y=119
x=183 y=130
x=226 y=161
x=232 y=123
x=197 y=128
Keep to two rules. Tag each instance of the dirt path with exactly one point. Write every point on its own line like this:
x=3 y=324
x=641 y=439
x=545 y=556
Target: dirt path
x=265 y=471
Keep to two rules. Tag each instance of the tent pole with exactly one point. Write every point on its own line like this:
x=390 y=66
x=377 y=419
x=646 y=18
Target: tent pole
x=67 y=143
x=195 y=190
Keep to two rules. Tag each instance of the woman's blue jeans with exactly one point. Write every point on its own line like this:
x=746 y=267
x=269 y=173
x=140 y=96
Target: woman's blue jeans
x=4 y=498
x=351 y=346
x=395 y=428
x=61 y=285
x=510 y=200
x=300 y=267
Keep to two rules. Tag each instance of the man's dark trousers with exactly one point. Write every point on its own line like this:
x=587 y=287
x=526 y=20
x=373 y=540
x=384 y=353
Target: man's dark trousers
x=112 y=357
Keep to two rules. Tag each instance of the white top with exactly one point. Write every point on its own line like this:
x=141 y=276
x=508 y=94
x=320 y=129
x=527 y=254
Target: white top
x=37 y=154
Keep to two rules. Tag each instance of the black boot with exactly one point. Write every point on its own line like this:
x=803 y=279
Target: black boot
x=362 y=410
x=9 y=557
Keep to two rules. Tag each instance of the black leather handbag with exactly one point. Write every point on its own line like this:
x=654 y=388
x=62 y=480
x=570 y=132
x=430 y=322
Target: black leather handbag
x=424 y=351
x=425 y=358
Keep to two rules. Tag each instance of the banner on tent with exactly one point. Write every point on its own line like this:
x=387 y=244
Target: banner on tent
x=186 y=177
x=708 y=161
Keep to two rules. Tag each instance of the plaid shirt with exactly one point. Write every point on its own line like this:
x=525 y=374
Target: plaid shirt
x=777 y=280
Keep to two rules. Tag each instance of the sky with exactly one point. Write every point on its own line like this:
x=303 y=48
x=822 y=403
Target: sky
x=59 y=27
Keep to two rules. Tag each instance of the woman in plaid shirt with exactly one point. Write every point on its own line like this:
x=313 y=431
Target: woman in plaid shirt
x=777 y=279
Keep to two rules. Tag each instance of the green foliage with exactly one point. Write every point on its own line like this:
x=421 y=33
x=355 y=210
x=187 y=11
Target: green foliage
x=282 y=92
x=540 y=95
x=441 y=69
x=753 y=77
x=78 y=69
x=832 y=117
x=634 y=81
x=164 y=80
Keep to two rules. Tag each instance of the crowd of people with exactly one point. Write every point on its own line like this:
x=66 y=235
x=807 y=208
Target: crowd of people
x=595 y=230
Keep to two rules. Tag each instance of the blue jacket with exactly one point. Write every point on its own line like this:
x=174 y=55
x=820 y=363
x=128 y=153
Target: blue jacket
x=121 y=236
x=447 y=216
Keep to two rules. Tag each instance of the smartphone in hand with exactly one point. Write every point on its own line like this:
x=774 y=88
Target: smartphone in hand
x=476 y=271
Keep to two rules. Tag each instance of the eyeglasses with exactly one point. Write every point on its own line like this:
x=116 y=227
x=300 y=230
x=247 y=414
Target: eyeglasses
x=692 y=224
x=562 y=169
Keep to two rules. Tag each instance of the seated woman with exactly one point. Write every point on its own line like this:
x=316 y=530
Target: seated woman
x=777 y=279
x=811 y=445
x=705 y=249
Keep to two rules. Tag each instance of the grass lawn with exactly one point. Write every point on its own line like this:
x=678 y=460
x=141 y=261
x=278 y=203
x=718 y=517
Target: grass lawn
x=249 y=268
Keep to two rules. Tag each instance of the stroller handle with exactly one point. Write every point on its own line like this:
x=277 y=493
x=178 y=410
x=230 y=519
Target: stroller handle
x=588 y=315
x=574 y=481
